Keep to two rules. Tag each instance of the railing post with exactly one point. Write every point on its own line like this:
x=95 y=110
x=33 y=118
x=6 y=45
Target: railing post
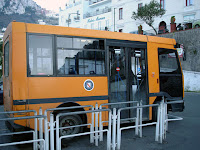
x=51 y=131
x=161 y=120
x=100 y=124
x=163 y=115
x=41 y=128
x=140 y=121
x=158 y=123
x=96 y=125
x=35 y=147
x=46 y=131
x=109 y=131
x=166 y=116
x=92 y=128
x=118 y=131
x=57 y=133
x=137 y=120
x=114 y=117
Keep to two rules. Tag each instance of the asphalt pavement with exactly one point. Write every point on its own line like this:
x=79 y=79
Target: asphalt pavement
x=182 y=135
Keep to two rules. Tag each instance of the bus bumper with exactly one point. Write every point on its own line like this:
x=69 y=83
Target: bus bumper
x=179 y=107
x=13 y=127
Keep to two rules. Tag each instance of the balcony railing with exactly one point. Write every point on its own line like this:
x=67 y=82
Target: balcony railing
x=72 y=5
x=94 y=2
x=97 y=12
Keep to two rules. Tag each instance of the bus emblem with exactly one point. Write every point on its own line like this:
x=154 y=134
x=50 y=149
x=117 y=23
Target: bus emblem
x=88 y=85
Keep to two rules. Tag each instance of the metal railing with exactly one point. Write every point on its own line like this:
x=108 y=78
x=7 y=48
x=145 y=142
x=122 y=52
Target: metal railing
x=138 y=124
x=51 y=123
x=97 y=12
x=111 y=104
x=96 y=124
x=59 y=138
x=34 y=132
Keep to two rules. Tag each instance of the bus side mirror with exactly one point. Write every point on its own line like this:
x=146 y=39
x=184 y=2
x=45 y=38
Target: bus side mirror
x=177 y=45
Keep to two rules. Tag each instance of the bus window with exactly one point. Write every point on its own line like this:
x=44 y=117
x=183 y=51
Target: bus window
x=40 y=55
x=168 y=62
x=6 y=59
x=83 y=58
x=64 y=42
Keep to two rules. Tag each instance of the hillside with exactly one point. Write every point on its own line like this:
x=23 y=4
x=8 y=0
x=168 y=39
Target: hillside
x=22 y=11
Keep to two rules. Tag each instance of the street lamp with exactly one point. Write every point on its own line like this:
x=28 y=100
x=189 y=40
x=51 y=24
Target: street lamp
x=114 y=19
x=70 y=15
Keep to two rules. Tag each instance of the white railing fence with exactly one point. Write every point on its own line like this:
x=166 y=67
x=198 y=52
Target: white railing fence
x=95 y=123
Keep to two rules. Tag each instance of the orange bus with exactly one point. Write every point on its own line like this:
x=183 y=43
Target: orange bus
x=52 y=66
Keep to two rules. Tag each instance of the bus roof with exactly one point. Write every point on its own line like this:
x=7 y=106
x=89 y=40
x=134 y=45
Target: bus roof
x=59 y=30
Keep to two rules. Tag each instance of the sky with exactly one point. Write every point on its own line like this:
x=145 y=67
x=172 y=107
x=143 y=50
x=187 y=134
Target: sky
x=51 y=4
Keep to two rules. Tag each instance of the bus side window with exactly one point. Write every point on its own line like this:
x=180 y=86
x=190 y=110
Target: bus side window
x=6 y=59
x=80 y=56
x=40 y=55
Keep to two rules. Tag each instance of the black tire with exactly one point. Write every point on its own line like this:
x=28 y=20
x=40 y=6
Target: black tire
x=155 y=112
x=70 y=121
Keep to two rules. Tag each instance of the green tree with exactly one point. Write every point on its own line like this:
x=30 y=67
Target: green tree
x=148 y=12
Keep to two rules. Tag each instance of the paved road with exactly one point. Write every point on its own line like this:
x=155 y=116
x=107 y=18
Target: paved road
x=182 y=135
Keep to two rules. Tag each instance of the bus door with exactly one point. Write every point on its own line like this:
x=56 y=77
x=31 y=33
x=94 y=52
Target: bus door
x=138 y=85
x=170 y=75
x=127 y=77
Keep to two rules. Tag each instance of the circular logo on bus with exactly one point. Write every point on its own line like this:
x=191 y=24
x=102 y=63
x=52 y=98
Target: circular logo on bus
x=88 y=85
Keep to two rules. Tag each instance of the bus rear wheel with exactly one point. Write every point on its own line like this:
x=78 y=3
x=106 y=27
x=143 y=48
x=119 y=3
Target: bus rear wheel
x=67 y=121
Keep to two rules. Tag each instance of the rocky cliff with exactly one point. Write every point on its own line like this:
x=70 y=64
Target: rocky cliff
x=18 y=6
x=22 y=11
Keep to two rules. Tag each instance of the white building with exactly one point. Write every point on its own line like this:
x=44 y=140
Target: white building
x=115 y=15
x=89 y=14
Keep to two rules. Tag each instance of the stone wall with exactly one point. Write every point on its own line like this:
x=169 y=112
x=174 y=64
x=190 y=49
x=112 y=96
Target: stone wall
x=191 y=42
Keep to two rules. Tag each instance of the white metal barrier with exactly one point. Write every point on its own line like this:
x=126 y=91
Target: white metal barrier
x=96 y=125
x=110 y=104
x=165 y=117
x=34 y=132
x=51 y=123
x=59 y=138
x=138 y=124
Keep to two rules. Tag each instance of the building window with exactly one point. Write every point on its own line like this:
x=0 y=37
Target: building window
x=86 y=57
x=189 y=2
x=189 y=18
x=6 y=59
x=162 y=4
x=40 y=55
x=139 y=5
x=120 y=30
x=120 y=13
x=99 y=25
x=107 y=23
x=92 y=26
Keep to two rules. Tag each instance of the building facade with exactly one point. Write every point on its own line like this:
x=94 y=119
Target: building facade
x=88 y=14
x=115 y=15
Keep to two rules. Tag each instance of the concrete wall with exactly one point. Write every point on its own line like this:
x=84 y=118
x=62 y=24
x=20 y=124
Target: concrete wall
x=191 y=81
x=191 y=42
